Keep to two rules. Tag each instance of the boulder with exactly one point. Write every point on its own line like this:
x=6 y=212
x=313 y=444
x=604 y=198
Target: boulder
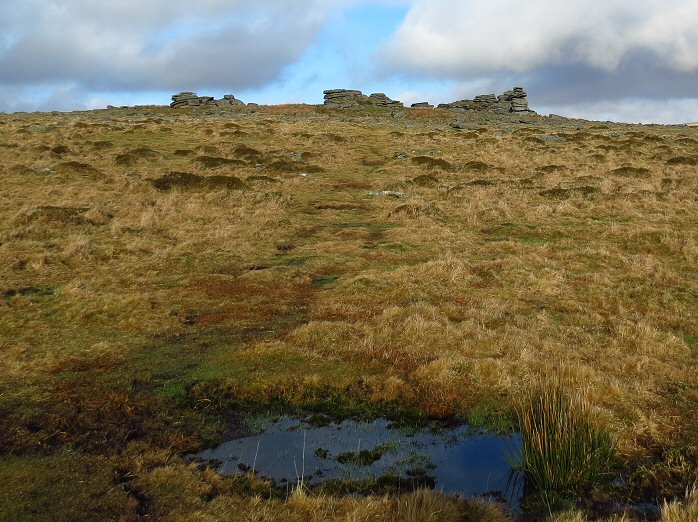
x=191 y=99
x=229 y=100
x=353 y=99
x=379 y=99
x=514 y=100
x=422 y=105
x=344 y=98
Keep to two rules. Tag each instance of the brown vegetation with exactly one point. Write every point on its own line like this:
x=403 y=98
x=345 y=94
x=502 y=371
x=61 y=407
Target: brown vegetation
x=142 y=296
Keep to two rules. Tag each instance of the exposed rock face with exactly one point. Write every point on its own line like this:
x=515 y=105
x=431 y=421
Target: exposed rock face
x=191 y=99
x=344 y=99
x=379 y=99
x=514 y=100
x=352 y=99
x=422 y=105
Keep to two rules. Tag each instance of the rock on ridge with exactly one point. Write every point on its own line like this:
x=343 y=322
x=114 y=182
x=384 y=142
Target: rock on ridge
x=379 y=99
x=353 y=99
x=515 y=100
x=191 y=99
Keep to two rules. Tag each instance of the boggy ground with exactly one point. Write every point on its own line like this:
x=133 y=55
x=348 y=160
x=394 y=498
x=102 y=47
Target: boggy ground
x=160 y=269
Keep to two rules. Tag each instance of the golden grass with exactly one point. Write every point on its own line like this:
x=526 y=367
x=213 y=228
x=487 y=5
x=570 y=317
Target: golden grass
x=682 y=510
x=510 y=257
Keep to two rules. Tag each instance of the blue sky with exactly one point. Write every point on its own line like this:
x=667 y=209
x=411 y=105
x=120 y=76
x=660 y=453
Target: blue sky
x=599 y=59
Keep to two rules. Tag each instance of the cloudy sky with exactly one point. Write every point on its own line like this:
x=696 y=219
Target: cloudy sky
x=623 y=60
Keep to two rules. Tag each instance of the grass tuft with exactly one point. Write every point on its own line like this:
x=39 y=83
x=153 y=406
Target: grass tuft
x=686 y=511
x=563 y=452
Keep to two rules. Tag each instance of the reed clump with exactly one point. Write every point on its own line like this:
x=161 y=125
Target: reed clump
x=563 y=450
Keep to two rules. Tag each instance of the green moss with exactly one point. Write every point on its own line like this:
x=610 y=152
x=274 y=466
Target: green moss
x=213 y=162
x=387 y=484
x=35 y=292
x=523 y=233
x=532 y=240
x=365 y=457
x=325 y=281
x=491 y=415
x=66 y=486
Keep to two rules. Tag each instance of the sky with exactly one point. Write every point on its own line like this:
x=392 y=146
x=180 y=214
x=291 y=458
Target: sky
x=620 y=60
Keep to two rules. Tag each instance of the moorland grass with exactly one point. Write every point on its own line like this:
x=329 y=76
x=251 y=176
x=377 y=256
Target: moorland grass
x=133 y=319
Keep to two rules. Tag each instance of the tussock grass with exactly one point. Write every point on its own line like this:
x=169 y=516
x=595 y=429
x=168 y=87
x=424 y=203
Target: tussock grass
x=563 y=449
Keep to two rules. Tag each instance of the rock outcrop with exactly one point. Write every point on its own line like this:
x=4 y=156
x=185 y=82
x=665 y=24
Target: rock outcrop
x=191 y=99
x=379 y=99
x=514 y=100
x=353 y=99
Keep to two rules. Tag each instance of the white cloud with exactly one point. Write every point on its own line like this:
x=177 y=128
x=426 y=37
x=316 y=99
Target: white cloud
x=471 y=37
x=633 y=61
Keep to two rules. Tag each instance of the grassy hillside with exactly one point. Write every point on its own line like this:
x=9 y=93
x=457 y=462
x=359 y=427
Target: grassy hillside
x=161 y=269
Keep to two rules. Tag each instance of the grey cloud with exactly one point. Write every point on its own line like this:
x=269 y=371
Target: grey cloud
x=155 y=44
x=233 y=57
x=639 y=75
x=563 y=52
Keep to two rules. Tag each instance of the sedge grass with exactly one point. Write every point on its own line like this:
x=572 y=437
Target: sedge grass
x=563 y=451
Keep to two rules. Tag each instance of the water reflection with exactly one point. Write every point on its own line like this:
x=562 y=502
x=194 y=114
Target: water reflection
x=454 y=460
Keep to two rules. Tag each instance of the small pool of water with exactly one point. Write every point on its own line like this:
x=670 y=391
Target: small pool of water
x=455 y=460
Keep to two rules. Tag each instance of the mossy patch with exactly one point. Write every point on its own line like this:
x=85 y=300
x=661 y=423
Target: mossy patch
x=64 y=486
x=188 y=181
x=214 y=162
x=477 y=166
x=432 y=163
x=79 y=168
x=632 y=172
x=690 y=161
x=567 y=193
x=31 y=291
x=491 y=415
x=74 y=216
x=415 y=210
x=364 y=457
x=549 y=169
x=294 y=166
x=247 y=153
x=425 y=180
x=60 y=150
x=325 y=281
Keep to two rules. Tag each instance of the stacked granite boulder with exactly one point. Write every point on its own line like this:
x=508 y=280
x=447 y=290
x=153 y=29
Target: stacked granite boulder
x=191 y=99
x=344 y=99
x=518 y=99
x=422 y=105
x=379 y=99
x=515 y=100
x=229 y=99
x=188 y=98
x=353 y=99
